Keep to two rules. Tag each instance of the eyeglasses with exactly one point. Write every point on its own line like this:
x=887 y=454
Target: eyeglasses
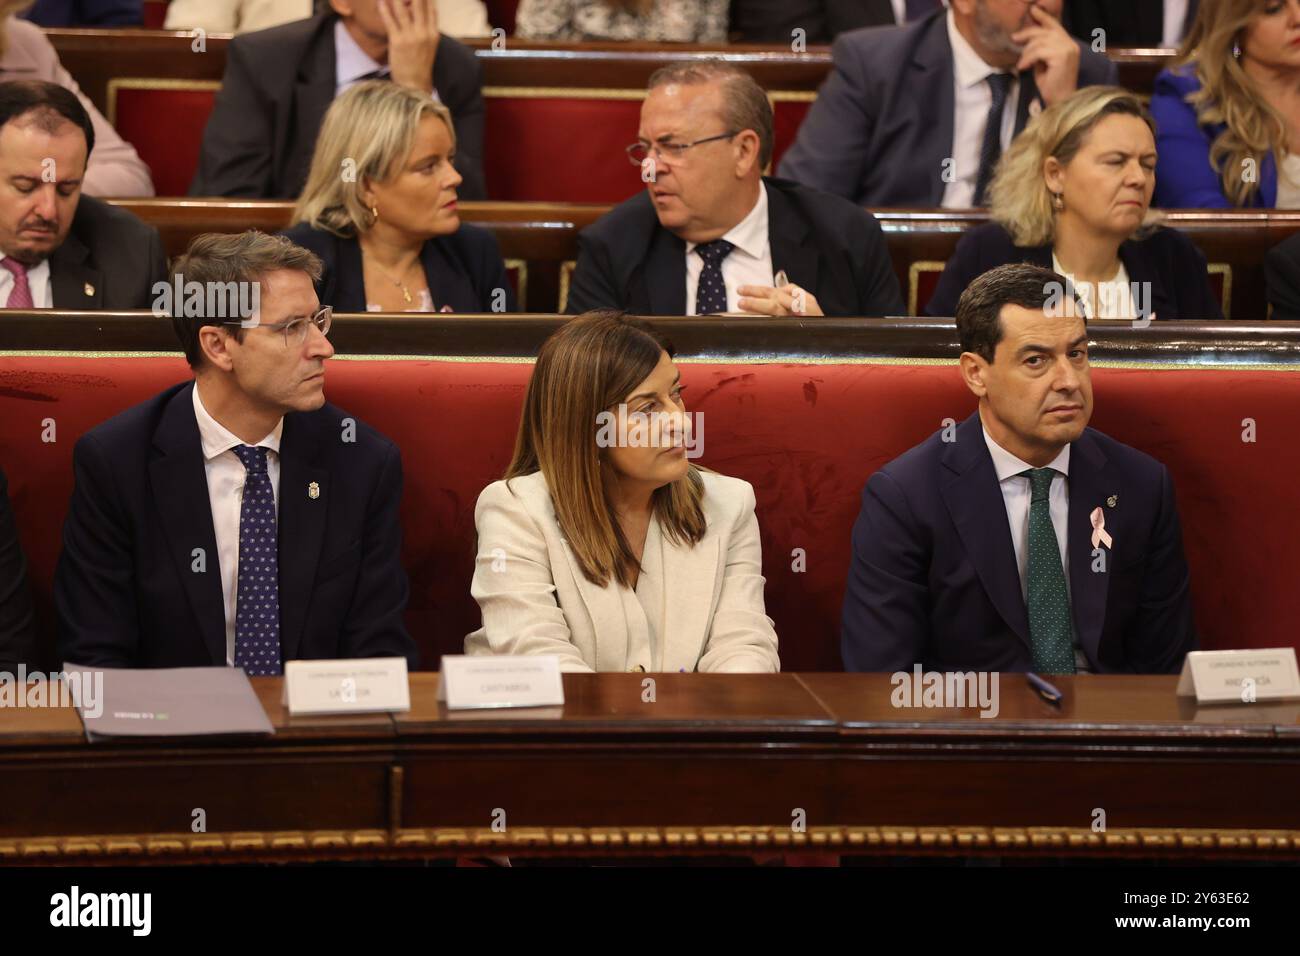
x=295 y=330
x=637 y=152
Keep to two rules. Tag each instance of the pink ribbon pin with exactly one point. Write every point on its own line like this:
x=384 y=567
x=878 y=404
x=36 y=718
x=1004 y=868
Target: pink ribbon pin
x=1099 y=535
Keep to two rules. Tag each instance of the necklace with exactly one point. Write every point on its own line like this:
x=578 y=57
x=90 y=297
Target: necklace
x=406 y=293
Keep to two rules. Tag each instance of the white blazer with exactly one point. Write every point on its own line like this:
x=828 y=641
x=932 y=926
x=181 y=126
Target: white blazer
x=536 y=600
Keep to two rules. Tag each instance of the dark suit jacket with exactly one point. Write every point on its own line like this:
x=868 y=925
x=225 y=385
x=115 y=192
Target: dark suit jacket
x=1282 y=275
x=1168 y=260
x=933 y=577
x=774 y=21
x=17 y=630
x=277 y=86
x=463 y=270
x=627 y=260
x=86 y=13
x=109 y=260
x=882 y=124
x=1138 y=23
x=125 y=589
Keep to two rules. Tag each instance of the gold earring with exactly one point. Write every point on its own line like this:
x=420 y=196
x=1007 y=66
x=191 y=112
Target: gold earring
x=1058 y=202
x=374 y=213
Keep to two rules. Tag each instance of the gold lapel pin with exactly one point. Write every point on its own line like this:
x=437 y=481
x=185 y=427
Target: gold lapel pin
x=88 y=289
x=313 y=491
x=1112 y=501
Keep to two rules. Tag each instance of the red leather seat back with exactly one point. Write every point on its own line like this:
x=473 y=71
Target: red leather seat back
x=165 y=125
x=806 y=436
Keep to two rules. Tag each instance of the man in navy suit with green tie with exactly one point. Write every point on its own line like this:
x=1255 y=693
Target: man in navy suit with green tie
x=1021 y=539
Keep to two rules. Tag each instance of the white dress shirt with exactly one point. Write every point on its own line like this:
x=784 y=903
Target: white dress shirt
x=226 y=475
x=38 y=281
x=1112 y=299
x=351 y=62
x=972 y=100
x=1175 y=17
x=1017 y=495
x=750 y=263
x=1288 y=182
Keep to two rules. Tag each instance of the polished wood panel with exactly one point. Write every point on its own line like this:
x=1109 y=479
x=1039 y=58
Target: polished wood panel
x=544 y=236
x=717 y=763
x=1163 y=344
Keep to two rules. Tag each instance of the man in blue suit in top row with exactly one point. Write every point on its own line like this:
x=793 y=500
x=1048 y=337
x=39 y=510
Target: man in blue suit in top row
x=1021 y=540
x=236 y=519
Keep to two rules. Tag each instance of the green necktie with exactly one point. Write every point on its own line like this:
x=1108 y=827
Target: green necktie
x=1047 y=599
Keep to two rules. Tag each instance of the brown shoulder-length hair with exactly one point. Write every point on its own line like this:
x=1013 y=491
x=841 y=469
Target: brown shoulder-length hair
x=588 y=366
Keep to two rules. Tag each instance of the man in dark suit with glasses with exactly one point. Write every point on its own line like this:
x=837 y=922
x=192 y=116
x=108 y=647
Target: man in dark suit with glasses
x=237 y=519
x=711 y=234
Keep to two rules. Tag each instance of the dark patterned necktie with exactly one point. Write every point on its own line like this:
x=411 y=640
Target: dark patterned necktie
x=711 y=293
x=1046 y=596
x=257 y=603
x=991 y=150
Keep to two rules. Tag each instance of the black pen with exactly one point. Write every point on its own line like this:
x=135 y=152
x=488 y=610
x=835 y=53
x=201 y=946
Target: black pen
x=1045 y=690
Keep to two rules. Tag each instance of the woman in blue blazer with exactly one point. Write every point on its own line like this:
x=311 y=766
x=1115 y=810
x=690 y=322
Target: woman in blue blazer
x=380 y=210
x=1073 y=194
x=1237 y=62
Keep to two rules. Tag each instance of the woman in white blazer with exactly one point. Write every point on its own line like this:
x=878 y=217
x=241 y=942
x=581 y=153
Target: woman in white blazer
x=604 y=545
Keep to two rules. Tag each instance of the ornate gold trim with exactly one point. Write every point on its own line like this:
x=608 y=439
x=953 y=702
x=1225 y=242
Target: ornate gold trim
x=791 y=96
x=754 y=360
x=914 y=280
x=567 y=268
x=603 y=841
x=1224 y=269
x=522 y=266
x=150 y=83
x=563 y=92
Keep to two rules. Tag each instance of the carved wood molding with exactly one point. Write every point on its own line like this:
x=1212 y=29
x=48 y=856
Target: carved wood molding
x=183 y=848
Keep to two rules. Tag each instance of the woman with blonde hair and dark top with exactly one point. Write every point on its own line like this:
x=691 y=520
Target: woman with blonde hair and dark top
x=1073 y=194
x=380 y=210
x=603 y=544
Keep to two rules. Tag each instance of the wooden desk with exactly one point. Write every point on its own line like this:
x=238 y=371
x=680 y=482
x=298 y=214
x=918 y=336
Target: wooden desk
x=715 y=764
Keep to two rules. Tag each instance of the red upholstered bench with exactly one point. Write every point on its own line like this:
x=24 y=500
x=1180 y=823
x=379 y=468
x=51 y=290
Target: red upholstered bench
x=807 y=436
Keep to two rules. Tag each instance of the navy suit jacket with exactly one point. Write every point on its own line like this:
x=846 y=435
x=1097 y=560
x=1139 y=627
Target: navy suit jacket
x=126 y=588
x=17 y=630
x=1185 y=178
x=463 y=270
x=86 y=13
x=835 y=250
x=882 y=124
x=1166 y=259
x=277 y=86
x=933 y=578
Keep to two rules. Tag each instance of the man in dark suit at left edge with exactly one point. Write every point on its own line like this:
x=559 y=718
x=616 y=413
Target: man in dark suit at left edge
x=60 y=249
x=237 y=519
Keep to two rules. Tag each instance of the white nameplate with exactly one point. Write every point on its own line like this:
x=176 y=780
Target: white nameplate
x=1240 y=677
x=371 y=685
x=485 y=681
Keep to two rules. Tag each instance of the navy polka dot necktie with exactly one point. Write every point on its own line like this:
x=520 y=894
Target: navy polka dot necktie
x=991 y=150
x=1046 y=597
x=257 y=605
x=711 y=293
